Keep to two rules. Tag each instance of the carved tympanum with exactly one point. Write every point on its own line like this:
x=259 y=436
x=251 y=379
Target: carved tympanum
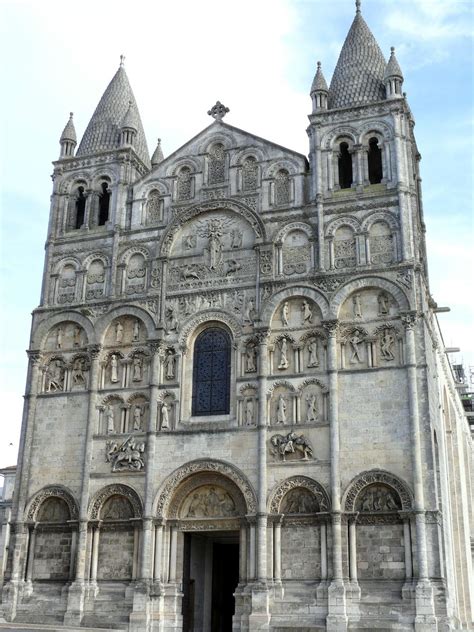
x=299 y=501
x=209 y=501
x=378 y=498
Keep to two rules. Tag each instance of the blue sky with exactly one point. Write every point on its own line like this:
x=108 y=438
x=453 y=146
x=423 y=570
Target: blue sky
x=256 y=56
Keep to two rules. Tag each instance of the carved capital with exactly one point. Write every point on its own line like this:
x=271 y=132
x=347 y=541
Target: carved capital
x=34 y=357
x=409 y=319
x=332 y=327
x=94 y=351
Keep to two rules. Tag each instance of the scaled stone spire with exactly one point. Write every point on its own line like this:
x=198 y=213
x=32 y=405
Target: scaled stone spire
x=319 y=90
x=68 y=140
x=393 y=77
x=157 y=155
x=103 y=131
x=359 y=74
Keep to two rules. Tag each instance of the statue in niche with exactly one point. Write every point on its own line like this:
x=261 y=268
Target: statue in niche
x=298 y=501
x=59 y=337
x=190 y=242
x=215 y=246
x=171 y=320
x=236 y=238
x=114 y=368
x=165 y=416
x=281 y=410
x=55 y=377
x=313 y=353
x=127 y=456
x=283 y=364
x=291 y=444
x=386 y=345
x=306 y=313
x=250 y=359
x=78 y=372
x=249 y=412
x=312 y=408
x=250 y=311
x=355 y=341
x=137 y=369
x=119 y=332
x=210 y=503
x=137 y=418
x=384 y=303
x=170 y=364
x=136 y=330
x=77 y=336
x=377 y=498
x=285 y=314
x=109 y=419
x=357 y=306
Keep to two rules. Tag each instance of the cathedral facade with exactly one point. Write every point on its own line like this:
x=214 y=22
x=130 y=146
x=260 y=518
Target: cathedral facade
x=239 y=413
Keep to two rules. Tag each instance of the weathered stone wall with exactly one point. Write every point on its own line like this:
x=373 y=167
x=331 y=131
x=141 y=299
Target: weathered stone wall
x=380 y=551
x=116 y=553
x=300 y=552
x=52 y=555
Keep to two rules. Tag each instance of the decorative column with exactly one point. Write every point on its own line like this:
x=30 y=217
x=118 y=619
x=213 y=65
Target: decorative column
x=407 y=252
x=173 y=552
x=262 y=462
x=336 y=619
x=94 y=553
x=75 y=606
x=243 y=554
x=425 y=613
x=157 y=570
x=277 y=548
x=352 y=551
x=31 y=558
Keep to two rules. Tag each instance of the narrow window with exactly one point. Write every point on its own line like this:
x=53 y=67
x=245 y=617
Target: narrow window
x=375 y=162
x=217 y=164
x=104 y=201
x=184 y=184
x=211 y=373
x=345 y=166
x=282 y=187
x=80 y=207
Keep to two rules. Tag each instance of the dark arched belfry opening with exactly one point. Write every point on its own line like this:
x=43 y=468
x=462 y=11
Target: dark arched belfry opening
x=80 y=207
x=375 y=162
x=104 y=203
x=345 y=166
x=211 y=373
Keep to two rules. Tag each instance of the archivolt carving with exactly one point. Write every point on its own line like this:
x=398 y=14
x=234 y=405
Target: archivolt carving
x=72 y=261
x=239 y=157
x=125 y=257
x=208 y=480
x=313 y=380
x=338 y=133
x=283 y=383
x=46 y=326
x=112 y=398
x=94 y=257
x=283 y=232
x=189 y=213
x=137 y=396
x=291 y=166
x=347 y=220
x=154 y=185
x=311 y=485
x=377 y=476
x=105 y=321
x=238 y=478
x=207 y=317
x=379 y=216
x=316 y=333
x=56 y=491
x=272 y=304
x=114 y=490
x=75 y=180
x=164 y=394
x=189 y=162
x=246 y=387
x=222 y=137
x=379 y=128
x=369 y=282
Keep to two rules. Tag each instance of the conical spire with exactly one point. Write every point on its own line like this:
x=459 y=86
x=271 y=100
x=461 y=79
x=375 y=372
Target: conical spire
x=359 y=73
x=393 y=77
x=319 y=81
x=130 y=120
x=157 y=155
x=319 y=91
x=68 y=140
x=392 y=68
x=103 y=131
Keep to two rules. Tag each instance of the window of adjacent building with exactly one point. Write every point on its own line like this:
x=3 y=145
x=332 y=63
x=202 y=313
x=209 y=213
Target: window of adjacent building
x=211 y=373
x=345 y=166
x=375 y=162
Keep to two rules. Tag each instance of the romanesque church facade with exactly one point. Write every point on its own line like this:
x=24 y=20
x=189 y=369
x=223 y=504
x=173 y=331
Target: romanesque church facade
x=239 y=414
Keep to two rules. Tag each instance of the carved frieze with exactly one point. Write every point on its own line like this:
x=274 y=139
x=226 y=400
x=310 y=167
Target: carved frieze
x=291 y=447
x=128 y=455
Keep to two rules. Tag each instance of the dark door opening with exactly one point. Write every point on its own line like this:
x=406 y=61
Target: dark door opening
x=210 y=577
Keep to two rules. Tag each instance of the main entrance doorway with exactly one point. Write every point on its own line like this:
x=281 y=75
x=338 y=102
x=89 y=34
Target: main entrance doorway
x=210 y=577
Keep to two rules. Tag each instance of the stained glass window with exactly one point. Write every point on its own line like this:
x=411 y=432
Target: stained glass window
x=211 y=373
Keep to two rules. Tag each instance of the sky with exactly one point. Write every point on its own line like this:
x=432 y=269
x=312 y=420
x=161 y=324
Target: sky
x=258 y=57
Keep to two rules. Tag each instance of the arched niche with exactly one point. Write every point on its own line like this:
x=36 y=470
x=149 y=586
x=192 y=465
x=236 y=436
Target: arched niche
x=375 y=287
x=375 y=481
x=95 y=279
x=125 y=331
x=370 y=303
x=314 y=496
x=58 y=493
x=115 y=490
x=66 y=336
x=272 y=310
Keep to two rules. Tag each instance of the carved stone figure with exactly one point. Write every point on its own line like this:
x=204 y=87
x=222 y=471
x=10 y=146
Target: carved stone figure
x=355 y=341
x=236 y=238
x=171 y=320
x=77 y=336
x=299 y=501
x=250 y=359
x=313 y=353
x=55 y=377
x=113 y=368
x=281 y=410
x=215 y=246
x=109 y=419
x=306 y=313
x=127 y=456
x=119 y=332
x=137 y=418
x=249 y=412
x=170 y=364
x=136 y=330
x=78 y=372
x=59 y=337
x=377 y=498
x=386 y=345
x=137 y=369
x=189 y=242
x=283 y=364
x=312 y=409
x=210 y=502
x=285 y=314
x=165 y=416
x=384 y=303
x=250 y=311
x=291 y=444
x=231 y=267
x=357 y=306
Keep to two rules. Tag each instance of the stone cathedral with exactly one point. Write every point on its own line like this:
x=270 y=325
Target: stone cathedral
x=239 y=412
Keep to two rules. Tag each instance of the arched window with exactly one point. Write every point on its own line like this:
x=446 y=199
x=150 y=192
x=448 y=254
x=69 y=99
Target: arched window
x=249 y=174
x=104 y=201
x=80 y=207
x=217 y=164
x=345 y=166
x=282 y=187
x=184 y=184
x=375 y=162
x=154 y=206
x=211 y=373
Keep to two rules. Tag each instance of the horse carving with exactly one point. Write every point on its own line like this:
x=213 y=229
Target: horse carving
x=291 y=444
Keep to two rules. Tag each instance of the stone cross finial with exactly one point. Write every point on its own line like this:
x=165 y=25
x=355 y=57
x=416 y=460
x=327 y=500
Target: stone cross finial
x=218 y=111
x=357 y=6
x=122 y=61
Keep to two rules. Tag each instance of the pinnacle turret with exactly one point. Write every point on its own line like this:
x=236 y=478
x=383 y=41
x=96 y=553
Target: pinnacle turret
x=319 y=90
x=116 y=107
x=393 y=77
x=68 y=140
x=157 y=157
